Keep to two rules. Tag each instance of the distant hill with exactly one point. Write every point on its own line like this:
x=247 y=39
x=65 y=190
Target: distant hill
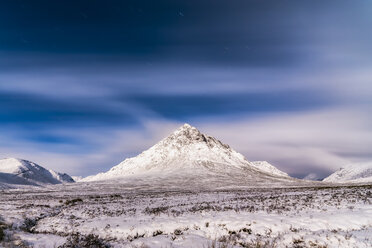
x=358 y=173
x=15 y=171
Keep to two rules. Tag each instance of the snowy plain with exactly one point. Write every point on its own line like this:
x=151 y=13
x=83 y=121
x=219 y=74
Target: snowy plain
x=119 y=215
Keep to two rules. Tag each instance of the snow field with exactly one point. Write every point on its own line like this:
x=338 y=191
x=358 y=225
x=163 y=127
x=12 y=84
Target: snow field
x=284 y=217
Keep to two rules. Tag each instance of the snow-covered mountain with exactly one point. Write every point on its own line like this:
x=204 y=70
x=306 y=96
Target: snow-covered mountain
x=358 y=173
x=187 y=153
x=23 y=172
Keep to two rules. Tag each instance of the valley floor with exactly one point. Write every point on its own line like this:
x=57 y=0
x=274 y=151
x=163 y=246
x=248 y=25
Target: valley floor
x=108 y=216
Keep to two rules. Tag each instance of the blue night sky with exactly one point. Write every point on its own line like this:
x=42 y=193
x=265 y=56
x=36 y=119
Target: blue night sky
x=85 y=84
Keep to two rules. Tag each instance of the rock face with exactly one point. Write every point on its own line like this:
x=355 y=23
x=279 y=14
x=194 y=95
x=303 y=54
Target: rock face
x=357 y=173
x=187 y=153
x=22 y=172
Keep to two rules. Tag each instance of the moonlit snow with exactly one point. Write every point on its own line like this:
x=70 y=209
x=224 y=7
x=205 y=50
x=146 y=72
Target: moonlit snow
x=188 y=190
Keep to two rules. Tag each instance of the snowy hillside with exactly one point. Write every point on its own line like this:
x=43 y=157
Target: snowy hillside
x=269 y=168
x=189 y=153
x=77 y=178
x=361 y=172
x=23 y=172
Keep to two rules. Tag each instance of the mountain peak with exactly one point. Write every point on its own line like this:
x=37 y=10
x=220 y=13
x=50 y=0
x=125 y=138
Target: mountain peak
x=187 y=128
x=187 y=134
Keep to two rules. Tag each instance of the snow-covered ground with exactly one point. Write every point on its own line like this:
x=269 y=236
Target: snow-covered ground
x=117 y=215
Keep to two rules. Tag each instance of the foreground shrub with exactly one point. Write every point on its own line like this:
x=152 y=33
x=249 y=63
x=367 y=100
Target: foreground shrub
x=77 y=240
